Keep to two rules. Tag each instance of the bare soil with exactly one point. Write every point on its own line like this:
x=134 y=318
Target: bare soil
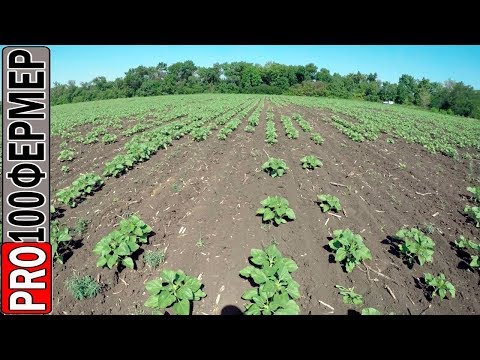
x=213 y=188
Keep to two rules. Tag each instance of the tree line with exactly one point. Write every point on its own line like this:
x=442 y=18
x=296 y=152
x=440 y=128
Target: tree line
x=272 y=78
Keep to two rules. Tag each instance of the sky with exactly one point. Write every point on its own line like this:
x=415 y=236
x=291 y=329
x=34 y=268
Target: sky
x=437 y=63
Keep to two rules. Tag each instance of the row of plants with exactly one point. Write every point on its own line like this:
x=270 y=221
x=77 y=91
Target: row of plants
x=270 y=131
x=254 y=118
x=435 y=132
x=85 y=184
x=290 y=130
x=278 y=167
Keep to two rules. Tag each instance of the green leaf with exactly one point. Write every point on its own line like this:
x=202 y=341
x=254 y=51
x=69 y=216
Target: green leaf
x=193 y=283
x=258 y=276
x=340 y=255
x=168 y=275
x=291 y=308
x=268 y=288
x=249 y=294
x=268 y=215
x=152 y=302
x=290 y=265
x=258 y=257
x=154 y=286
x=128 y=262
x=292 y=290
x=101 y=261
x=349 y=266
x=273 y=252
x=112 y=260
x=442 y=292
x=123 y=250
x=185 y=293
x=133 y=247
x=371 y=311
x=247 y=271
x=290 y=214
x=165 y=299
x=182 y=307
x=253 y=310
x=199 y=294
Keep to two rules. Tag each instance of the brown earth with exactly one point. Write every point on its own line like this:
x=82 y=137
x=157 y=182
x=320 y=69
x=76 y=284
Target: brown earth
x=213 y=188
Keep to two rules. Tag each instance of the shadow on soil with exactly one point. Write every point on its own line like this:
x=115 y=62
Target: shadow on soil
x=464 y=256
x=394 y=249
x=231 y=310
x=352 y=312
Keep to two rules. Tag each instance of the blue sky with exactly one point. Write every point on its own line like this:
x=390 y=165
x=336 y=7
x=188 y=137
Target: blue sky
x=437 y=63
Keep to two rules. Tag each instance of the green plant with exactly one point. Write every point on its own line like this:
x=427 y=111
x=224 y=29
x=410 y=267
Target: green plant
x=200 y=134
x=154 y=258
x=85 y=184
x=270 y=132
x=230 y=127
x=176 y=187
x=349 y=296
x=109 y=138
x=310 y=162
x=371 y=311
x=476 y=193
x=466 y=244
x=200 y=243
x=467 y=156
x=428 y=228
x=65 y=169
x=90 y=138
x=66 y=155
x=329 y=202
x=439 y=285
x=277 y=291
x=349 y=248
x=402 y=165
x=390 y=141
x=275 y=167
x=118 y=165
x=249 y=128
x=59 y=239
x=276 y=208
x=302 y=122
x=174 y=289
x=81 y=226
x=474 y=213
x=119 y=245
x=416 y=245
x=317 y=138
x=82 y=287
x=290 y=130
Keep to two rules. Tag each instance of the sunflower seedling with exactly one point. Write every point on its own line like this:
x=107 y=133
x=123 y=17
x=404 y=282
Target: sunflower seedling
x=276 y=290
x=276 y=208
x=439 y=285
x=329 y=202
x=174 y=289
x=310 y=162
x=349 y=248
x=275 y=167
x=416 y=246
x=350 y=297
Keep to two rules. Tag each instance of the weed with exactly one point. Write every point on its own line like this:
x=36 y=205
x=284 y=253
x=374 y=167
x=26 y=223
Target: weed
x=154 y=258
x=82 y=287
x=349 y=296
